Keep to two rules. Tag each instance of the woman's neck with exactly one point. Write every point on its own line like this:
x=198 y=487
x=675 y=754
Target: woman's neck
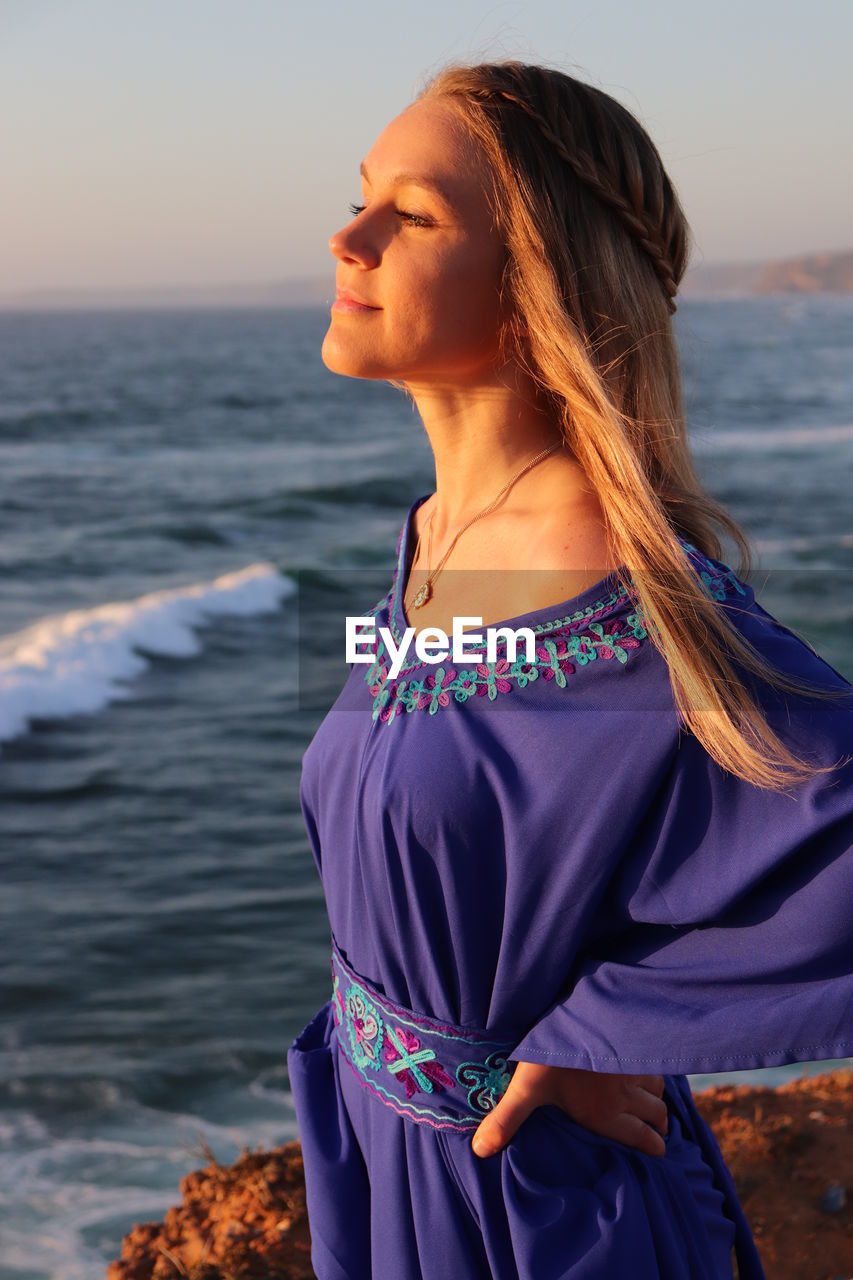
x=483 y=436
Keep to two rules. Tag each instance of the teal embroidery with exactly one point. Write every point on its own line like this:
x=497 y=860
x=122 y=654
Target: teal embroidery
x=381 y=1044
x=712 y=581
x=405 y=1058
x=555 y=659
x=366 y=1029
x=405 y=1061
x=375 y=1041
x=486 y=1081
x=567 y=643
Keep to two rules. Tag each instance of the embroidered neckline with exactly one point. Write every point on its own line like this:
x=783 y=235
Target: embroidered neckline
x=590 y=632
x=713 y=574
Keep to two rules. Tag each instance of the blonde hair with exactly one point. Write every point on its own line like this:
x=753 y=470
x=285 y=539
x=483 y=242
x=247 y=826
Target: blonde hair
x=597 y=243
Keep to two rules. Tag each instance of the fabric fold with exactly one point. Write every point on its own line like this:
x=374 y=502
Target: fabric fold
x=581 y=1207
x=733 y=947
x=337 y=1187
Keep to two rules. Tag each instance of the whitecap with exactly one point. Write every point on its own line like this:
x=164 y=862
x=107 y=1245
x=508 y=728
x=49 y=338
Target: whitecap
x=767 y=439
x=73 y=663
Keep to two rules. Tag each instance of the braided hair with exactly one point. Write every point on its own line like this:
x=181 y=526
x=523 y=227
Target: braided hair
x=601 y=143
x=596 y=244
x=628 y=205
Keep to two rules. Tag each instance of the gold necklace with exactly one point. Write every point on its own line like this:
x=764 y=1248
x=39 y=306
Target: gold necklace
x=424 y=592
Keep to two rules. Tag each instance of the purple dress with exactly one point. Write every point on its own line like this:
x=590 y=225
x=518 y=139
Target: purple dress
x=528 y=862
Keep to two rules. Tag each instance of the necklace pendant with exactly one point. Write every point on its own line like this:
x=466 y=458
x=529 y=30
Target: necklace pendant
x=422 y=595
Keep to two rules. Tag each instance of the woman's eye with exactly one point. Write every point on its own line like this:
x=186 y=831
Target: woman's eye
x=414 y=218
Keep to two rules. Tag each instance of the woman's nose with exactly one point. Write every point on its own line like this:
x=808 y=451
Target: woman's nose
x=350 y=244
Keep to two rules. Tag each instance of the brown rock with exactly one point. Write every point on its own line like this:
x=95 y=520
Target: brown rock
x=784 y=1146
x=245 y=1221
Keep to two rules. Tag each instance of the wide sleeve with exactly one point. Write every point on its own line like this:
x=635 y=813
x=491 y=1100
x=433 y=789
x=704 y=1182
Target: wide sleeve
x=733 y=947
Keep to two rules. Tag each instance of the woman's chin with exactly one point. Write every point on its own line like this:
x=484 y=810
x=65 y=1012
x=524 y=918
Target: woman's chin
x=351 y=364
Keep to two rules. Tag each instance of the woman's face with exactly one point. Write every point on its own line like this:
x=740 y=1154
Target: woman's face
x=428 y=263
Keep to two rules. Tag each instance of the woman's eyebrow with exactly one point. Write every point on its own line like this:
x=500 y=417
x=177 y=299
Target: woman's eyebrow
x=414 y=179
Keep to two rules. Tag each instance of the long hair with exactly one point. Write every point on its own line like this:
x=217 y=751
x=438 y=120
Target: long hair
x=596 y=245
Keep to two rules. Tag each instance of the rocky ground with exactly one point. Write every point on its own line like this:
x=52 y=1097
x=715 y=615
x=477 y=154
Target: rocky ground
x=789 y=1150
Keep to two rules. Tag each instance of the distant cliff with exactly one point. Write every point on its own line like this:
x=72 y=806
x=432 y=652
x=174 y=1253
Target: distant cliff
x=812 y=273
x=820 y=273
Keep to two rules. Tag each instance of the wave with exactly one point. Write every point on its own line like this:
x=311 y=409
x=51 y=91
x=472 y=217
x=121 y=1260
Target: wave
x=66 y=1202
x=748 y=440
x=59 y=1248
x=809 y=543
x=73 y=663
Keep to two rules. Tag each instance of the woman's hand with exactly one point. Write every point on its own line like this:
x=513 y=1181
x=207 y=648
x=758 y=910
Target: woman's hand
x=628 y=1108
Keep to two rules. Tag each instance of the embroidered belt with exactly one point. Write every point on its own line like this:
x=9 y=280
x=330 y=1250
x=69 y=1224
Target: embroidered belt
x=445 y=1076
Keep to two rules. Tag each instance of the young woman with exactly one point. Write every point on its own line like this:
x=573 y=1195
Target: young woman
x=556 y=882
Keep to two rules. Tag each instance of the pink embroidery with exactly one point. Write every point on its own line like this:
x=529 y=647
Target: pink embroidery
x=556 y=660
x=418 y=1068
x=493 y=673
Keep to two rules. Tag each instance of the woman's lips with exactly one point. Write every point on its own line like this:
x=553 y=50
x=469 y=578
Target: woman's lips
x=343 y=303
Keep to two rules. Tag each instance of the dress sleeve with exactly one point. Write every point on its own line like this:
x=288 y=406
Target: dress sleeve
x=733 y=942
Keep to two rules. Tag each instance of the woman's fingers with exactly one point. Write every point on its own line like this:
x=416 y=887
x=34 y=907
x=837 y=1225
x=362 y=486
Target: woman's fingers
x=634 y=1132
x=635 y=1095
x=650 y=1108
x=654 y=1084
x=639 y=1115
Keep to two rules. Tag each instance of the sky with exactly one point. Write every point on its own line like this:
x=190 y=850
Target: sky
x=210 y=142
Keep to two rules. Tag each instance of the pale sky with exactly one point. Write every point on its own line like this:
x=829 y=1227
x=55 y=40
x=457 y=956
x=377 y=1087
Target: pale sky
x=203 y=142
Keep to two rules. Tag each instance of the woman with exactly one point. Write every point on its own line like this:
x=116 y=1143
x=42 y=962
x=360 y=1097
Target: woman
x=556 y=883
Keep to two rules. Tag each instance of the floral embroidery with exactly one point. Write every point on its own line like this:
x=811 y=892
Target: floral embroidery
x=487 y=1081
x=365 y=1029
x=401 y=1056
x=401 y=1050
x=416 y=1067
x=555 y=659
x=556 y=665
x=563 y=645
x=712 y=582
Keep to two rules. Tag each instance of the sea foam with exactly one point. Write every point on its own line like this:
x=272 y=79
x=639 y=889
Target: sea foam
x=73 y=663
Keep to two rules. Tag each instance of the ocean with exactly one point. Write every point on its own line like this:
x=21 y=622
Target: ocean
x=175 y=486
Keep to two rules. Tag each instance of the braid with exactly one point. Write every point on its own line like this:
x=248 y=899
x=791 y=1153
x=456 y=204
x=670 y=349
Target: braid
x=637 y=222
